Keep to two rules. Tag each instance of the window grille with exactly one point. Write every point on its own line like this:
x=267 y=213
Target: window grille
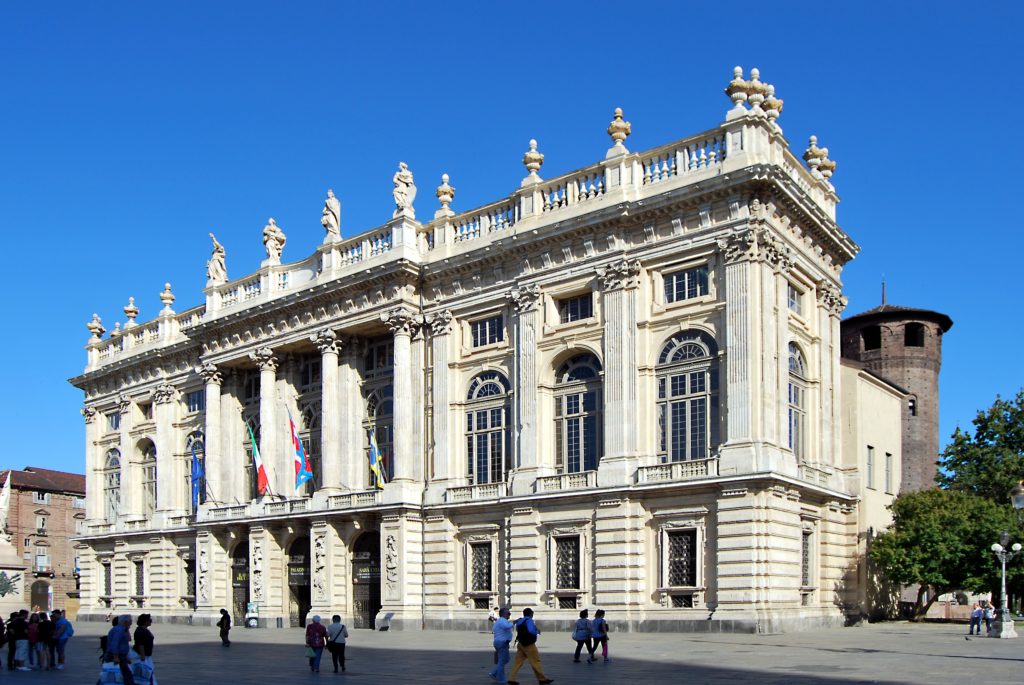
x=576 y=308
x=488 y=331
x=682 y=558
x=480 y=567
x=805 y=559
x=682 y=601
x=567 y=563
x=567 y=602
x=686 y=285
x=190 y=577
x=107 y=579
x=140 y=578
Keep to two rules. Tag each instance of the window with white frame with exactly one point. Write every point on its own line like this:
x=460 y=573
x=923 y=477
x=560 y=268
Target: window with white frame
x=687 y=409
x=794 y=299
x=113 y=421
x=78 y=503
x=686 y=284
x=488 y=434
x=869 y=472
x=487 y=331
x=112 y=484
x=195 y=401
x=797 y=398
x=888 y=473
x=148 y=479
x=41 y=497
x=576 y=308
x=42 y=559
x=480 y=567
x=578 y=427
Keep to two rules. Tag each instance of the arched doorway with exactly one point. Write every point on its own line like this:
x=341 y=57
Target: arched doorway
x=240 y=582
x=366 y=580
x=298 y=582
x=40 y=595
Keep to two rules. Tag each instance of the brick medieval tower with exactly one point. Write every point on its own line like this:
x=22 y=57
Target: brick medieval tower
x=905 y=346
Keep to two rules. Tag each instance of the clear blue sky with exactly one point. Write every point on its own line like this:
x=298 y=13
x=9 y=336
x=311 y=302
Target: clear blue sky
x=131 y=130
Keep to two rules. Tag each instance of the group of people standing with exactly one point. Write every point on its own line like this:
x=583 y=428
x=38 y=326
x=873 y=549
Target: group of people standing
x=36 y=641
x=979 y=614
x=587 y=633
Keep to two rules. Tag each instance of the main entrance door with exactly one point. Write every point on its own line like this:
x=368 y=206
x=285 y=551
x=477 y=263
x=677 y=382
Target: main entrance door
x=298 y=582
x=240 y=582
x=366 y=580
x=40 y=596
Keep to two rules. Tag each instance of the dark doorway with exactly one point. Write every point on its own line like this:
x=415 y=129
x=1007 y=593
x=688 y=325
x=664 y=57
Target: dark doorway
x=366 y=580
x=40 y=596
x=240 y=582
x=298 y=582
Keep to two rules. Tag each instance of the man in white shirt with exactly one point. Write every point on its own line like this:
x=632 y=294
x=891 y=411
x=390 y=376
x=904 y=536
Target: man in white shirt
x=502 y=629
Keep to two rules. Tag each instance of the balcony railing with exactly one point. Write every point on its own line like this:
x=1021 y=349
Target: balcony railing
x=813 y=474
x=468 y=493
x=678 y=470
x=567 y=481
x=354 y=499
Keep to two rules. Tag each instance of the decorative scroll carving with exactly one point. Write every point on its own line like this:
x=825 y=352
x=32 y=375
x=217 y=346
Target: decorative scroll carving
x=327 y=341
x=124 y=403
x=524 y=298
x=401 y=320
x=210 y=373
x=440 y=322
x=164 y=393
x=623 y=274
x=264 y=358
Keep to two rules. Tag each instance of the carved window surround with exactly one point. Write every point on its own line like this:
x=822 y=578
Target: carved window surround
x=552 y=531
x=469 y=537
x=668 y=521
x=658 y=303
x=810 y=557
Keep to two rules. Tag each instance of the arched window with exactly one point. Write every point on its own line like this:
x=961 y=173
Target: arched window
x=797 y=398
x=148 y=464
x=195 y=446
x=310 y=434
x=380 y=409
x=578 y=428
x=687 y=414
x=487 y=431
x=112 y=484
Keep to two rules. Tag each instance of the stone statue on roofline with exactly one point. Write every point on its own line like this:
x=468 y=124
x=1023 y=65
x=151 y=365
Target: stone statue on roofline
x=216 y=268
x=404 y=192
x=274 y=240
x=331 y=217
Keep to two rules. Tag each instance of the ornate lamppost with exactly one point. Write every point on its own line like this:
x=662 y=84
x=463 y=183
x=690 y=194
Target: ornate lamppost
x=1004 y=555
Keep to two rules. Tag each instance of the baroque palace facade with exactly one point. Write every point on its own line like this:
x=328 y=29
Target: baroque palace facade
x=620 y=388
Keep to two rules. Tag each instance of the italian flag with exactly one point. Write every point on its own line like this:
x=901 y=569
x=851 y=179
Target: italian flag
x=257 y=460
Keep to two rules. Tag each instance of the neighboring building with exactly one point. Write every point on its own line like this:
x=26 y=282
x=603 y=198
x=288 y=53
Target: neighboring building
x=620 y=387
x=905 y=345
x=46 y=510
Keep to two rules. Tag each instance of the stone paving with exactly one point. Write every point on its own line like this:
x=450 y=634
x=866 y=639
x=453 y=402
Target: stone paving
x=881 y=653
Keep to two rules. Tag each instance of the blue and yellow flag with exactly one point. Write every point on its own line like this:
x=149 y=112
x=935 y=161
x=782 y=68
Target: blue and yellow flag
x=376 y=461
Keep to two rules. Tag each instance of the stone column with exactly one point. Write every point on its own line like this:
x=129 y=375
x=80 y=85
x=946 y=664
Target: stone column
x=165 y=407
x=131 y=493
x=444 y=463
x=830 y=307
x=351 y=410
x=94 y=467
x=275 y=460
x=330 y=346
x=408 y=464
x=525 y=300
x=619 y=280
x=212 y=433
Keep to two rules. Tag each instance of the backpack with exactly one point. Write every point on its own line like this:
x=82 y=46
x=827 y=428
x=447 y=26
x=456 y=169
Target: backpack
x=523 y=634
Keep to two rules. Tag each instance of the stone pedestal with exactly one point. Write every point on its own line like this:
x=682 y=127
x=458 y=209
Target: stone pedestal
x=1002 y=629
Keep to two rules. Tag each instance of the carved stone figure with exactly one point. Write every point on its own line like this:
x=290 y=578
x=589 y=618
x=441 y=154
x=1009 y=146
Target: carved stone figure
x=319 y=567
x=331 y=217
x=391 y=563
x=204 y=568
x=274 y=240
x=257 y=570
x=216 y=268
x=404 y=192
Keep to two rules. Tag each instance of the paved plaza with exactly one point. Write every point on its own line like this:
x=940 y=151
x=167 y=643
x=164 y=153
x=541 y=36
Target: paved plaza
x=884 y=653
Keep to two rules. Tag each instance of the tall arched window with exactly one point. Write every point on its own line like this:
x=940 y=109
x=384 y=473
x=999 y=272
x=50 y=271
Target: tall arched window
x=148 y=465
x=195 y=444
x=112 y=484
x=310 y=436
x=578 y=428
x=687 y=397
x=797 y=397
x=380 y=411
x=487 y=432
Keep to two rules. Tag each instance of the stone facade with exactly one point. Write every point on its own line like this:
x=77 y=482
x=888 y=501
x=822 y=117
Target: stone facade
x=616 y=388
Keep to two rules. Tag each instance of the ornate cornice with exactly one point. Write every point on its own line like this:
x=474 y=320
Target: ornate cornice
x=264 y=358
x=524 y=298
x=620 y=275
x=327 y=341
x=164 y=393
x=440 y=322
x=210 y=373
x=401 y=320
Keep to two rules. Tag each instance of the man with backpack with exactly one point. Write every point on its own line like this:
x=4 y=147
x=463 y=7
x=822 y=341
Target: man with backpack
x=526 y=649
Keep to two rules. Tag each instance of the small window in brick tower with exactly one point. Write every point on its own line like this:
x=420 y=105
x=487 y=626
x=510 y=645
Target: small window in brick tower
x=871 y=337
x=913 y=335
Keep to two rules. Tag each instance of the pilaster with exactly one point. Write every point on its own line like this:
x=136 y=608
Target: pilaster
x=165 y=413
x=444 y=462
x=93 y=466
x=330 y=346
x=525 y=302
x=401 y=572
x=213 y=443
x=525 y=550
x=131 y=492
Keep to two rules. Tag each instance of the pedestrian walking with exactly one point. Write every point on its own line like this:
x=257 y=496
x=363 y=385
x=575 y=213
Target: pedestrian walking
x=600 y=633
x=582 y=633
x=316 y=638
x=976 y=613
x=527 y=633
x=502 y=630
x=225 y=627
x=144 y=640
x=119 y=649
x=62 y=632
x=337 y=634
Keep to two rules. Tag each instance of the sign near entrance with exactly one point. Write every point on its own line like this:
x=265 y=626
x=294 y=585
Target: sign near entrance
x=240 y=577
x=365 y=572
x=298 y=575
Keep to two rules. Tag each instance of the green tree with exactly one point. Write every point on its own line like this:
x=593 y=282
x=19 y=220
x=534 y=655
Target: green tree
x=941 y=539
x=989 y=461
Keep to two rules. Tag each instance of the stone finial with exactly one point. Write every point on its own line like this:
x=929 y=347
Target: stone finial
x=116 y=333
x=167 y=297
x=445 y=192
x=131 y=311
x=772 y=105
x=619 y=130
x=533 y=160
x=756 y=91
x=96 y=327
x=828 y=166
x=813 y=156
x=737 y=89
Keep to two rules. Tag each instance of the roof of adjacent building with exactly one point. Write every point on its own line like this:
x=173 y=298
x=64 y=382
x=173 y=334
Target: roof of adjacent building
x=35 y=478
x=888 y=312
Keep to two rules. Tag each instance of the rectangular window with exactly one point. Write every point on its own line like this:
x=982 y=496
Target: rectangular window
x=41 y=497
x=309 y=374
x=140 y=578
x=567 y=563
x=78 y=503
x=795 y=299
x=686 y=285
x=576 y=308
x=681 y=562
x=42 y=559
x=488 y=331
x=480 y=567
x=195 y=401
x=107 y=579
x=888 y=473
x=41 y=524
x=805 y=559
x=147 y=411
x=190 y=577
x=251 y=387
x=114 y=421
x=869 y=471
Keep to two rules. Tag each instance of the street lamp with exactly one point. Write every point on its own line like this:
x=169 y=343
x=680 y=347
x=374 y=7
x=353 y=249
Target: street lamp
x=1004 y=555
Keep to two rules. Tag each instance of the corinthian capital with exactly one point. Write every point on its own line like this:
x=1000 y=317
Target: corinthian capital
x=264 y=358
x=124 y=403
x=164 y=393
x=619 y=275
x=89 y=414
x=210 y=373
x=831 y=298
x=524 y=298
x=401 y=321
x=440 y=322
x=327 y=341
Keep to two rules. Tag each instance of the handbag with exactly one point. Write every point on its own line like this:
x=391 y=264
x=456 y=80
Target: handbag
x=310 y=653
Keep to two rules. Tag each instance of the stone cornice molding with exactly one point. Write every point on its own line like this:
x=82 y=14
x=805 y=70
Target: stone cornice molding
x=89 y=414
x=264 y=358
x=623 y=274
x=210 y=373
x=401 y=321
x=440 y=322
x=524 y=298
x=831 y=298
x=327 y=341
x=164 y=393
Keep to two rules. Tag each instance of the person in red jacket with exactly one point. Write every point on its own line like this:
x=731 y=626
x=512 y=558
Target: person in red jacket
x=316 y=638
